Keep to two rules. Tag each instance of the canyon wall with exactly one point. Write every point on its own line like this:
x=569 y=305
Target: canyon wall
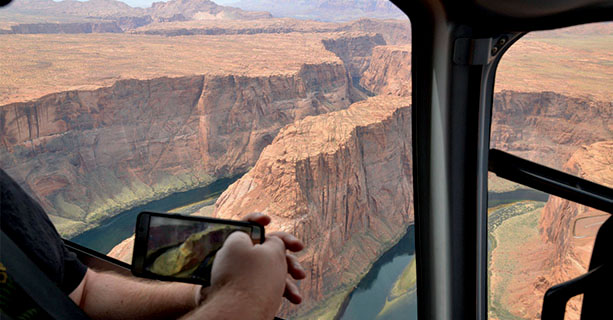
x=389 y=71
x=548 y=127
x=570 y=227
x=89 y=154
x=341 y=182
x=104 y=25
x=355 y=50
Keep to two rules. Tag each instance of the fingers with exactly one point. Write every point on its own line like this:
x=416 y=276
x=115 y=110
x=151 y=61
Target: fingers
x=237 y=240
x=294 y=268
x=274 y=243
x=292 y=293
x=291 y=243
x=258 y=218
x=279 y=242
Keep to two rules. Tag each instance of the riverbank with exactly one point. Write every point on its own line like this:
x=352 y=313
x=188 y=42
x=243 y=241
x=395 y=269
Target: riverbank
x=131 y=195
x=369 y=296
x=114 y=230
x=511 y=226
x=336 y=305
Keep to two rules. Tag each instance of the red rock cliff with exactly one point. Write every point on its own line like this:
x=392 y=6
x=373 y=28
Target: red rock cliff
x=562 y=222
x=89 y=154
x=355 y=50
x=389 y=71
x=548 y=127
x=342 y=183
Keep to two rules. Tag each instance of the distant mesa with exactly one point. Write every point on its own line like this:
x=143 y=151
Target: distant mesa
x=201 y=10
x=98 y=16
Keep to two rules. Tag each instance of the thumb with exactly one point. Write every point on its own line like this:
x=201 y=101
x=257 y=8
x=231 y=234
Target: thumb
x=237 y=240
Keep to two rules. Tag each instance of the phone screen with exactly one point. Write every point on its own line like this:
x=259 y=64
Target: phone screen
x=184 y=248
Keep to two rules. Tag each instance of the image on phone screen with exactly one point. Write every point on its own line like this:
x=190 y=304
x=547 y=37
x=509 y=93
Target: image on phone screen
x=185 y=249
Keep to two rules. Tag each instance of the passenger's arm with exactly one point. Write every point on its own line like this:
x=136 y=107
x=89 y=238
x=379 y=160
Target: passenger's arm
x=110 y=296
x=247 y=282
x=243 y=275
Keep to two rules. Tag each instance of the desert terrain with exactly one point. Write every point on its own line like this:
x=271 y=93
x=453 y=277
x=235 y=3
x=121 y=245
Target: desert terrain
x=104 y=107
x=102 y=113
x=567 y=124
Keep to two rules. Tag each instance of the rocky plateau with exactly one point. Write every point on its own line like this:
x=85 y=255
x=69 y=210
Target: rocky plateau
x=89 y=154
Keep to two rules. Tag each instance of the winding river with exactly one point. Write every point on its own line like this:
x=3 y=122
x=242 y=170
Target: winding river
x=120 y=227
x=369 y=297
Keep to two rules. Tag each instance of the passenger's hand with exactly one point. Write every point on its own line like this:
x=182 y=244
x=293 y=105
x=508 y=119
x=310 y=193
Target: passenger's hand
x=252 y=275
x=294 y=269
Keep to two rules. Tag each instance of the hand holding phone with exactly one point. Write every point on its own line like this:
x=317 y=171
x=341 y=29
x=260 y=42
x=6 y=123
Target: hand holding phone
x=174 y=247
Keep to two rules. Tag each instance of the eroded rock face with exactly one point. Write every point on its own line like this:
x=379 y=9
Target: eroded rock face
x=547 y=127
x=389 y=71
x=89 y=154
x=339 y=181
x=354 y=50
x=561 y=222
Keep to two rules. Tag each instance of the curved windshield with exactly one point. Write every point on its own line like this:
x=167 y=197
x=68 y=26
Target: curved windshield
x=552 y=105
x=298 y=109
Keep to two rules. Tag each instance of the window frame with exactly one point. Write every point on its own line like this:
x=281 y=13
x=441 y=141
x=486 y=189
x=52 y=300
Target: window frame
x=453 y=86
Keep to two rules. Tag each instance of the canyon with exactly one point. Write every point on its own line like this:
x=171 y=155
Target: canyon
x=340 y=181
x=129 y=107
x=89 y=154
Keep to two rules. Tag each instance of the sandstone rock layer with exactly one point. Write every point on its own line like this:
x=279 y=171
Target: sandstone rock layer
x=342 y=183
x=89 y=154
x=389 y=71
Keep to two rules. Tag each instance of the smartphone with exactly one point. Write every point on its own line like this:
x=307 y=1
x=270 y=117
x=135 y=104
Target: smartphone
x=174 y=247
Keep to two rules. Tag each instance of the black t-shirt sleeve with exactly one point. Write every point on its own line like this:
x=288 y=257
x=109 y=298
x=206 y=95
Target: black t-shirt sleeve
x=27 y=224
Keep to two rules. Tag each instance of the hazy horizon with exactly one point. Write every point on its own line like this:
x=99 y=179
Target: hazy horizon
x=147 y=3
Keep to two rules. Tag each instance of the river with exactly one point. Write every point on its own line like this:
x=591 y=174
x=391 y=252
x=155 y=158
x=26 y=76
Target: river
x=369 y=297
x=120 y=227
x=364 y=302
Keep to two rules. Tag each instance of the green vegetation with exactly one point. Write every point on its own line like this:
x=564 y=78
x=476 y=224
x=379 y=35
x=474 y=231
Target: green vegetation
x=122 y=197
x=509 y=227
x=505 y=212
x=392 y=305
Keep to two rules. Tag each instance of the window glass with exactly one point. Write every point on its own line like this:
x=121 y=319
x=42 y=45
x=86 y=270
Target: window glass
x=553 y=95
x=552 y=105
x=299 y=110
x=535 y=241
